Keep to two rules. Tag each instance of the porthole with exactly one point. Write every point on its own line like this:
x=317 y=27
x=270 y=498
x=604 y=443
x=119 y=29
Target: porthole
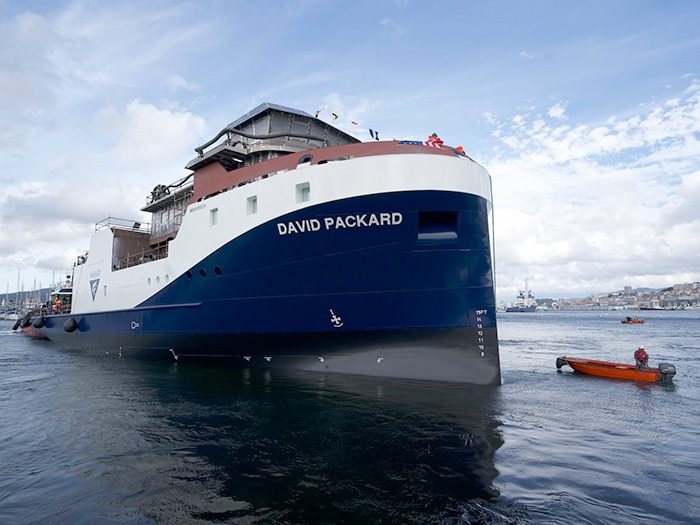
x=188 y=274
x=202 y=272
x=217 y=270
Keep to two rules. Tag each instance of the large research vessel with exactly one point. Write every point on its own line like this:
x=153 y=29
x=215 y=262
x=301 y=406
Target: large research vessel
x=292 y=244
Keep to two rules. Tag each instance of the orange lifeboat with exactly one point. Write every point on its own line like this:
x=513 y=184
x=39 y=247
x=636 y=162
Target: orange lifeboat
x=664 y=372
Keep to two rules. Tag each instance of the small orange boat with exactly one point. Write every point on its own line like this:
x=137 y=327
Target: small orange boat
x=632 y=320
x=664 y=372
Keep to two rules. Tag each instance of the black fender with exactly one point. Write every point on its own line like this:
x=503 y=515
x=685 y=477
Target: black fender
x=70 y=325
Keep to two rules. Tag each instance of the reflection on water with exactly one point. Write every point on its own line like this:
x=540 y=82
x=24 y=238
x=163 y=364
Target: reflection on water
x=98 y=439
x=310 y=448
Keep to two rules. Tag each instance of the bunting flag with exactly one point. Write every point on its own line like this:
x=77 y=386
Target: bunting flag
x=373 y=133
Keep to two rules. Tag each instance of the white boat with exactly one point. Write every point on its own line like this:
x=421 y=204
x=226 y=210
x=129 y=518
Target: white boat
x=10 y=315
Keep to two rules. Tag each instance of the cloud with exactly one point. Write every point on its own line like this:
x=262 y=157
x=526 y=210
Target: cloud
x=147 y=136
x=397 y=28
x=349 y=110
x=176 y=82
x=80 y=186
x=50 y=68
x=29 y=79
x=557 y=111
x=618 y=198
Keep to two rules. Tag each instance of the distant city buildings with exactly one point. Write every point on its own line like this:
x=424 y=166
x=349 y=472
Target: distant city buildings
x=684 y=296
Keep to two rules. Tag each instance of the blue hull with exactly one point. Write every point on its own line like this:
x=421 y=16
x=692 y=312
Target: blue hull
x=414 y=299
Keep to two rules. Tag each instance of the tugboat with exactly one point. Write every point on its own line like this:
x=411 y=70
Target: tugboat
x=59 y=302
x=525 y=303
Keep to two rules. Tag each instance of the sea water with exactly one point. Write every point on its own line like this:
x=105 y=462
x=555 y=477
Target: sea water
x=97 y=439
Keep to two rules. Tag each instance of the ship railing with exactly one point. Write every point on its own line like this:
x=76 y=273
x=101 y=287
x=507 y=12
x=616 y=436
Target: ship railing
x=144 y=256
x=50 y=309
x=122 y=224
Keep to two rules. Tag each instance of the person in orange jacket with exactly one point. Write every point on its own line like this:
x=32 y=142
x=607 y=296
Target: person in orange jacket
x=641 y=358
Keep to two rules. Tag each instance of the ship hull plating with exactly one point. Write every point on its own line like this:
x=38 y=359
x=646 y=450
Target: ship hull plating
x=389 y=285
x=434 y=355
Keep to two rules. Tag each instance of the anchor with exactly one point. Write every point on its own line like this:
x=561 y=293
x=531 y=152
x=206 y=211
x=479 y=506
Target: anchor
x=336 y=319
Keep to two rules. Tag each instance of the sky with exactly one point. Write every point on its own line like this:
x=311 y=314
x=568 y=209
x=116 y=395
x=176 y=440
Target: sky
x=586 y=115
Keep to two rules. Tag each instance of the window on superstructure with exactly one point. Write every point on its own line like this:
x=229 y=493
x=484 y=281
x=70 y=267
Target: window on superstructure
x=252 y=205
x=214 y=217
x=163 y=221
x=303 y=192
x=166 y=216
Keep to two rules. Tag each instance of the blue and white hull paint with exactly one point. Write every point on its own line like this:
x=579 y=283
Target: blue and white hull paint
x=377 y=263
